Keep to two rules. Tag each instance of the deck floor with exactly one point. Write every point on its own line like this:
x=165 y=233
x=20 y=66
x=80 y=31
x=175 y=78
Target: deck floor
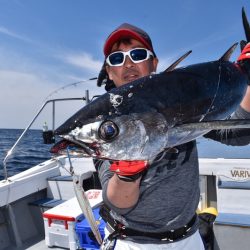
x=35 y=244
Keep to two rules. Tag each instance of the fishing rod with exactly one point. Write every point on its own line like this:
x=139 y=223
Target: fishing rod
x=46 y=101
x=69 y=85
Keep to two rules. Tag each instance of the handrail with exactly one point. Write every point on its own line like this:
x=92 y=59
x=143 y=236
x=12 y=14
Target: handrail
x=30 y=124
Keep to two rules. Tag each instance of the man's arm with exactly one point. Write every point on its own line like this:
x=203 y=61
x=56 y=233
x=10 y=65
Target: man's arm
x=123 y=194
x=243 y=62
x=245 y=104
x=121 y=183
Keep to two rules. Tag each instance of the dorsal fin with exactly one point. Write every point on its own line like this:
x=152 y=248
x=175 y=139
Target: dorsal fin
x=246 y=25
x=173 y=65
x=228 y=53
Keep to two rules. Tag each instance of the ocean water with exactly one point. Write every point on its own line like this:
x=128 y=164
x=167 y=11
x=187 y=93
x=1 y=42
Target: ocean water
x=29 y=152
x=32 y=151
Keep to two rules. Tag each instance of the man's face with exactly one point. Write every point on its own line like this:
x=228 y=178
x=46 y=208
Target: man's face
x=130 y=71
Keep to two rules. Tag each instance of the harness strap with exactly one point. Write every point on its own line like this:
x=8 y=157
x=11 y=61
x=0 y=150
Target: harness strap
x=120 y=231
x=171 y=235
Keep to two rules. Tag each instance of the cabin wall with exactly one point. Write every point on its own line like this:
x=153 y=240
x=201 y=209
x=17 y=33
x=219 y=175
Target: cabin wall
x=211 y=191
x=231 y=237
x=20 y=221
x=4 y=234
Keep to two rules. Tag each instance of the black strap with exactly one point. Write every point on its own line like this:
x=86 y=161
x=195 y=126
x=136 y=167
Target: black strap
x=171 y=235
x=121 y=231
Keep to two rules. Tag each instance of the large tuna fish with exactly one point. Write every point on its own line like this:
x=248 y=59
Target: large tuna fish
x=139 y=120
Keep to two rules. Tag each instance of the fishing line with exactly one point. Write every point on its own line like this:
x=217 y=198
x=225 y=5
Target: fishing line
x=69 y=85
x=70 y=170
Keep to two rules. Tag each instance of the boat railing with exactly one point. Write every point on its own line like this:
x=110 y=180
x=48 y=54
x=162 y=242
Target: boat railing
x=53 y=101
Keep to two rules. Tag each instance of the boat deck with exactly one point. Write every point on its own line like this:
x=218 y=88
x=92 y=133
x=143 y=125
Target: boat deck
x=224 y=184
x=34 y=244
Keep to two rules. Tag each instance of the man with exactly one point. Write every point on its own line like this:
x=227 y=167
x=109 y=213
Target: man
x=151 y=207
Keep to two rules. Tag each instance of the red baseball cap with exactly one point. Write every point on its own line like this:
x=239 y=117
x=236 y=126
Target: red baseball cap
x=124 y=31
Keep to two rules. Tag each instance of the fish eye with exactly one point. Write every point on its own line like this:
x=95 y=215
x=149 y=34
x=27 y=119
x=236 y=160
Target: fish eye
x=108 y=130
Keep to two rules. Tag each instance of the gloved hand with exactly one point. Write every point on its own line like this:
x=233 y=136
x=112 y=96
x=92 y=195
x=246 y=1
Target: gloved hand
x=129 y=170
x=244 y=58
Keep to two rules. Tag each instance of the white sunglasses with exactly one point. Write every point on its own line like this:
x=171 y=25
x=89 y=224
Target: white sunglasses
x=136 y=55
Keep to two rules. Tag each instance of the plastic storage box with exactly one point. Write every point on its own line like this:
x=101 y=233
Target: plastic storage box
x=86 y=237
x=60 y=221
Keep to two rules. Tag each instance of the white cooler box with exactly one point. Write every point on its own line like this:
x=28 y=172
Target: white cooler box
x=59 y=221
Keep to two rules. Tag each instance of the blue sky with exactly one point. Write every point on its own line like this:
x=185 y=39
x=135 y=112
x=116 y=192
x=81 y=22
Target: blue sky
x=47 y=44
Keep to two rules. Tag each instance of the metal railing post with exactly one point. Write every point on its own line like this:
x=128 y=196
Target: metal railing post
x=30 y=124
x=87 y=96
x=53 y=115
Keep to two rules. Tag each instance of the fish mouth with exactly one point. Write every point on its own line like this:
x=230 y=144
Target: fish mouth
x=76 y=148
